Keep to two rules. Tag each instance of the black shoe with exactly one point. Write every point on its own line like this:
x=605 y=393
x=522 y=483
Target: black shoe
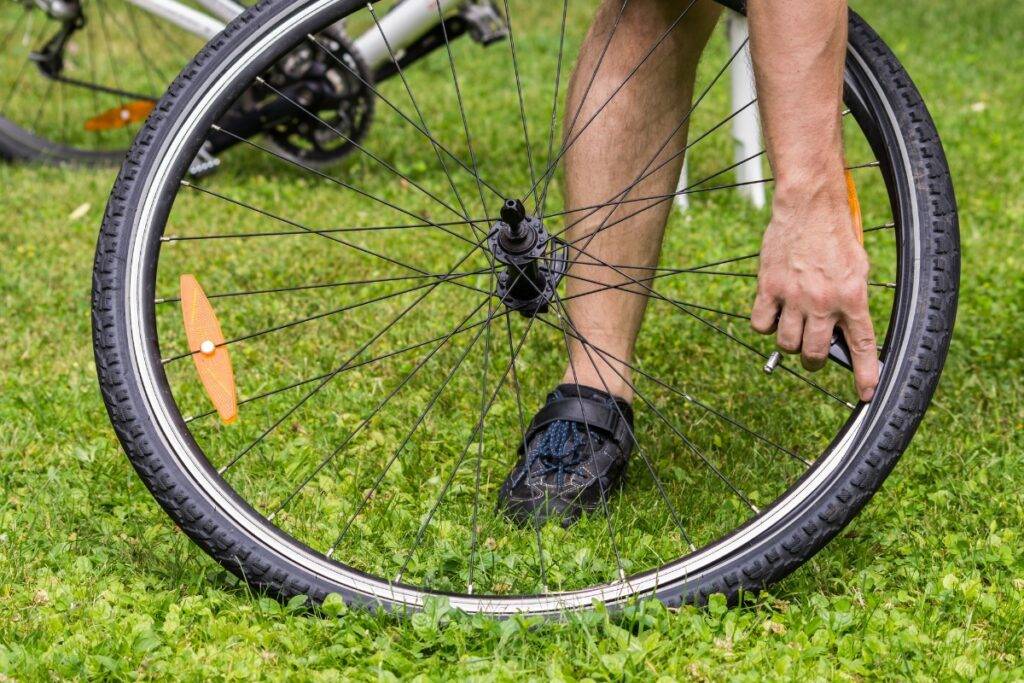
x=577 y=447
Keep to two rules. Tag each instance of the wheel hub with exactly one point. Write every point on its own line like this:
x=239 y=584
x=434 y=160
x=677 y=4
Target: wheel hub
x=532 y=270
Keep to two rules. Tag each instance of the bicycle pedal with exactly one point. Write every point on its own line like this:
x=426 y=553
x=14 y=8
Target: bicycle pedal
x=485 y=23
x=204 y=164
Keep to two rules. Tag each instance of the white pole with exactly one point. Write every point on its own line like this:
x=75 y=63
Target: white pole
x=682 y=201
x=746 y=131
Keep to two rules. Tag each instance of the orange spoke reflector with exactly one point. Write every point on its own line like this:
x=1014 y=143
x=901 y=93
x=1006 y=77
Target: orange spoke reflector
x=851 y=196
x=119 y=117
x=205 y=342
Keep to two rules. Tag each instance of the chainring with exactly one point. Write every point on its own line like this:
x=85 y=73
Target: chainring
x=342 y=110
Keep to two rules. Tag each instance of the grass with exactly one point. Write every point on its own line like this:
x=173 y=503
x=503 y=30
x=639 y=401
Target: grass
x=96 y=582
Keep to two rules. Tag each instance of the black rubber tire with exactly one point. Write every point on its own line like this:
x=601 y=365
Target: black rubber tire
x=20 y=145
x=785 y=546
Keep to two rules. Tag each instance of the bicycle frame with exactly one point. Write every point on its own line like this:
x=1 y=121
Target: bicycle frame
x=404 y=24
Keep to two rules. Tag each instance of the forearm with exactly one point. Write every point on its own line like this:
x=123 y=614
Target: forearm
x=798 y=48
x=813 y=271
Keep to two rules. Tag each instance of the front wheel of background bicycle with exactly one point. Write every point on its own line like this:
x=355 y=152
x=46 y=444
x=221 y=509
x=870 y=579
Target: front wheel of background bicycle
x=179 y=464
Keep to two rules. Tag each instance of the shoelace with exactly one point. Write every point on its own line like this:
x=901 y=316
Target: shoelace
x=561 y=449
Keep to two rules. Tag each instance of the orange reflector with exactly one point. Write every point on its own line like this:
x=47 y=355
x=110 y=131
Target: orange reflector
x=119 y=117
x=205 y=342
x=851 y=196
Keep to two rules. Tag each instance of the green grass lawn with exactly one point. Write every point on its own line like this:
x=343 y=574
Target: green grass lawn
x=928 y=582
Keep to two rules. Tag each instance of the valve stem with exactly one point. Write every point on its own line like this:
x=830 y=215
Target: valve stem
x=773 y=362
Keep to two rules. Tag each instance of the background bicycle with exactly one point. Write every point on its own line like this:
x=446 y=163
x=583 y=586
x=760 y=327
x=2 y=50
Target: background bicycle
x=78 y=77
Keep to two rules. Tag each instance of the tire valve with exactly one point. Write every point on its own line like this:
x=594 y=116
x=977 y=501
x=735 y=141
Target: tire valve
x=773 y=362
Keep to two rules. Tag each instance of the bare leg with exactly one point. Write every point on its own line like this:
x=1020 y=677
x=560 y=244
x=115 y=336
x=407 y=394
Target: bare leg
x=614 y=150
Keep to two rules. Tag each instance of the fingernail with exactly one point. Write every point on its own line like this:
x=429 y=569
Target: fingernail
x=867 y=394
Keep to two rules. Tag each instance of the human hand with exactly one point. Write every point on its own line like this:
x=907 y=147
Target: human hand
x=813 y=278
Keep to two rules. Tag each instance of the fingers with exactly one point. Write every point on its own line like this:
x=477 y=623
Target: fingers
x=764 y=314
x=791 y=330
x=766 y=319
x=860 y=336
x=817 y=338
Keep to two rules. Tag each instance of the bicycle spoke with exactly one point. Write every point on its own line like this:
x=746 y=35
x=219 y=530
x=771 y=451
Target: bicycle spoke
x=305 y=228
x=633 y=367
x=566 y=145
x=654 y=296
x=480 y=448
x=433 y=141
x=462 y=108
x=355 y=144
x=307 y=319
x=590 y=442
x=690 y=189
x=522 y=431
x=397 y=453
x=380 y=406
x=554 y=99
x=329 y=285
x=369 y=361
x=553 y=162
x=689 y=444
x=684 y=121
x=564 y=315
x=522 y=106
x=728 y=335
x=476 y=434
x=341 y=367
x=326 y=231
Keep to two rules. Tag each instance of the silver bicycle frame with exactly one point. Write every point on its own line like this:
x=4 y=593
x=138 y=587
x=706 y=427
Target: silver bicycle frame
x=402 y=26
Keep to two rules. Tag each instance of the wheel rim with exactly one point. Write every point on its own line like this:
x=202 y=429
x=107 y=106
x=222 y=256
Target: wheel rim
x=106 y=77
x=182 y=442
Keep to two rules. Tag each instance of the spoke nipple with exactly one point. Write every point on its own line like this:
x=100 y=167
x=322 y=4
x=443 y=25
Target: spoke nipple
x=207 y=347
x=469 y=589
x=270 y=517
x=329 y=553
x=774 y=361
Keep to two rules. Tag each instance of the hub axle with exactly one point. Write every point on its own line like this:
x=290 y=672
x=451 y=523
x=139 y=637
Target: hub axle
x=532 y=271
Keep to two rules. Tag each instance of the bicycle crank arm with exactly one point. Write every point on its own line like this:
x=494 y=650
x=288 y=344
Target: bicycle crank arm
x=243 y=123
x=480 y=20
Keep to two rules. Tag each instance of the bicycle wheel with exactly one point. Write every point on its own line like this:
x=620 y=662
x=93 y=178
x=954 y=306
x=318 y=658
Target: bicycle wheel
x=385 y=376
x=78 y=77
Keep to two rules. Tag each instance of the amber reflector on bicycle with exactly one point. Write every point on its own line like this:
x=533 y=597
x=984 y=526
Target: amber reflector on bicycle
x=119 y=117
x=851 y=195
x=206 y=344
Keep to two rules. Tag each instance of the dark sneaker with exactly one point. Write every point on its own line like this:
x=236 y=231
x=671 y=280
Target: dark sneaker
x=577 y=447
